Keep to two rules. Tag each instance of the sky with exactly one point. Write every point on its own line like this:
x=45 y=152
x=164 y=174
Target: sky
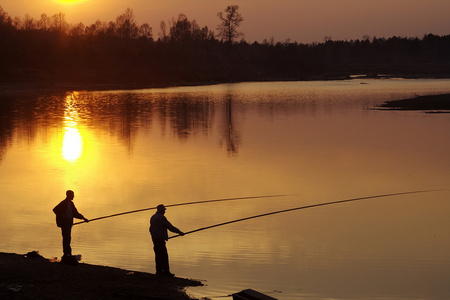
x=304 y=21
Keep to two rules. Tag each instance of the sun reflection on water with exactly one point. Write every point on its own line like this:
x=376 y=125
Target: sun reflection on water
x=72 y=145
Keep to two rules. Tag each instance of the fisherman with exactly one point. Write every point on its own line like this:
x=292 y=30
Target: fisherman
x=158 y=230
x=65 y=212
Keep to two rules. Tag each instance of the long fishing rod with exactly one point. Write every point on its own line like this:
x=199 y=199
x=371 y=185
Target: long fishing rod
x=187 y=203
x=305 y=207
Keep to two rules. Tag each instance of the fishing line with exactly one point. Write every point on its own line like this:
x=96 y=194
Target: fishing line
x=187 y=203
x=305 y=207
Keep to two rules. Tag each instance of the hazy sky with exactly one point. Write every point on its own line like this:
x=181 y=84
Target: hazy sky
x=304 y=21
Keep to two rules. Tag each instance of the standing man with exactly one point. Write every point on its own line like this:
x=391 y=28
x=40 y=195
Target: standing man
x=65 y=212
x=158 y=230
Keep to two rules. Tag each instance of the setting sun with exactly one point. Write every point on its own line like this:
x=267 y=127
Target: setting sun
x=69 y=1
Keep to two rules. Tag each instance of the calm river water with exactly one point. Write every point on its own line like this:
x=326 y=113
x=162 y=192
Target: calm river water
x=322 y=141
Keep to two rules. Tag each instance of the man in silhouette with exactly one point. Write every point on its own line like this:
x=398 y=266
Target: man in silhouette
x=65 y=212
x=158 y=230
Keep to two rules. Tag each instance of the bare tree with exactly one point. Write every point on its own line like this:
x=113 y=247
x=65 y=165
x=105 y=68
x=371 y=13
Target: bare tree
x=126 y=26
x=145 y=31
x=77 y=30
x=163 y=31
x=29 y=23
x=5 y=19
x=58 y=22
x=44 y=22
x=181 y=29
x=228 y=28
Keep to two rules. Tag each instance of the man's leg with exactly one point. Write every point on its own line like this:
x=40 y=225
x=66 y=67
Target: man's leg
x=66 y=234
x=165 y=258
x=161 y=256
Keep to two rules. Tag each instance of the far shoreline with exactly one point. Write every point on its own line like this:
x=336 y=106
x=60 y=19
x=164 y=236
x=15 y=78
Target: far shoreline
x=64 y=86
x=429 y=103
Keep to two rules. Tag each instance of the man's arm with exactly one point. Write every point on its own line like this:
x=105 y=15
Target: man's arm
x=77 y=215
x=173 y=228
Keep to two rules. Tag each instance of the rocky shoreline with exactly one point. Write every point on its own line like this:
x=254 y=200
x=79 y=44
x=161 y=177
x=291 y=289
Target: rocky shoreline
x=35 y=277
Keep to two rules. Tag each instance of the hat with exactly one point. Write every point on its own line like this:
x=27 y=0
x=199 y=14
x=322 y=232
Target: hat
x=161 y=207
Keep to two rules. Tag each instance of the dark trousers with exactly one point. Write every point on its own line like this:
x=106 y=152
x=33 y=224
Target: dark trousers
x=161 y=256
x=66 y=235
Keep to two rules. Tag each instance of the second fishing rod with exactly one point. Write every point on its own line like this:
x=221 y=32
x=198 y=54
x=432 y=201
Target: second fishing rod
x=307 y=207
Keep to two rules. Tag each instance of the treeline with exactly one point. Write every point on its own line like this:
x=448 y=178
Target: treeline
x=122 y=51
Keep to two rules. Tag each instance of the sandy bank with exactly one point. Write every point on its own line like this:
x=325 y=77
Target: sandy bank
x=24 y=277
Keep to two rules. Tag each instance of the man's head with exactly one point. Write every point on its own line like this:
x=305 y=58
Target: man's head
x=161 y=208
x=70 y=194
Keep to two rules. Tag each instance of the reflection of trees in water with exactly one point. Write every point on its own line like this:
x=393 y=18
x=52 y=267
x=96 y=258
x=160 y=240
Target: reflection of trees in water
x=187 y=115
x=230 y=134
x=124 y=114
x=24 y=116
x=6 y=125
x=119 y=114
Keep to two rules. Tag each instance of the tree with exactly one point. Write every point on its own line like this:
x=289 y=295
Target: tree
x=126 y=26
x=28 y=23
x=77 y=30
x=5 y=19
x=228 y=28
x=181 y=29
x=44 y=22
x=58 y=23
x=145 y=31
x=163 y=31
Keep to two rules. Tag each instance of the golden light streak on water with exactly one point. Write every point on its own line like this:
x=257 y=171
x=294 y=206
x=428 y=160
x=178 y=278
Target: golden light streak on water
x=72 y=145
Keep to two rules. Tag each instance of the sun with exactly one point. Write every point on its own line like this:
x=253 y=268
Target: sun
x=69 y=1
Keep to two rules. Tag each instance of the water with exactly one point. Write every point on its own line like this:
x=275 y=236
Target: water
x=126 y=150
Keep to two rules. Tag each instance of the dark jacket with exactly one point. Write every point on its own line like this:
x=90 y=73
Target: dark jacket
x=61 y=213
x=159 y=226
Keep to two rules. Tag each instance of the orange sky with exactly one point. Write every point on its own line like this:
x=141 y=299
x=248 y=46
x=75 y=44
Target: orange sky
x=304 y=21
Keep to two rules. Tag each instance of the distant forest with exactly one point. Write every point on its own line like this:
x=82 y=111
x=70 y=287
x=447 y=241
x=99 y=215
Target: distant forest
x=183 y=52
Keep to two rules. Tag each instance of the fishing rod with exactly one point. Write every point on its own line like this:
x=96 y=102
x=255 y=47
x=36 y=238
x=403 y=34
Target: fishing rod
x=187 y=203
x=305 y=207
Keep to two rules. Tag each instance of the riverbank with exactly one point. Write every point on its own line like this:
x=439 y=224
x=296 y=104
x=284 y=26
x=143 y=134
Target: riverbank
x=64 y=86
x=429 y=103
x=23 y=277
